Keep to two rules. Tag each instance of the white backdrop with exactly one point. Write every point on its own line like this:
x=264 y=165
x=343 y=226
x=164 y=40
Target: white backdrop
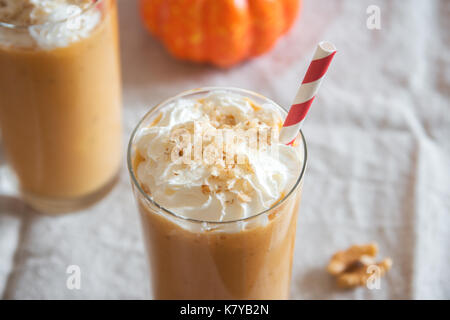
x=379 y=158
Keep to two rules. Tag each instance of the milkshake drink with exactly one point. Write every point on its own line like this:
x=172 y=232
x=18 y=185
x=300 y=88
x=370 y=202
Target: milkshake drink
x=60 y=94
x=220 y=226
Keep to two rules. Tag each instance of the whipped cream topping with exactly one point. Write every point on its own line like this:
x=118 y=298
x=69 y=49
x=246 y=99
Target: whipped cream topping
x=48 y=24
x=217 y=189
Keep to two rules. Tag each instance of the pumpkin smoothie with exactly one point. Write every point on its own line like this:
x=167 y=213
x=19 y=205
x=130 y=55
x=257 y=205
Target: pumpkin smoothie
x=219 y=216
x=60 y=98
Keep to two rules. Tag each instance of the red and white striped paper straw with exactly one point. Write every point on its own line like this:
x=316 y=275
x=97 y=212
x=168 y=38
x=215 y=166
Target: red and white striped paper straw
x=307 y=92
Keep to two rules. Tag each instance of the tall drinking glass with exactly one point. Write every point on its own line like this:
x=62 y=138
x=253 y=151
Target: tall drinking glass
x=60 y=105
x=248 y=258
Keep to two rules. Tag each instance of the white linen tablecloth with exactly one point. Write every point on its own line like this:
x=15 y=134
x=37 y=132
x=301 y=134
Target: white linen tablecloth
x=379 y=159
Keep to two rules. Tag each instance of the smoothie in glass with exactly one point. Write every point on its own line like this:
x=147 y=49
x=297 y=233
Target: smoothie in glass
x=219 y=217
x=60 y=99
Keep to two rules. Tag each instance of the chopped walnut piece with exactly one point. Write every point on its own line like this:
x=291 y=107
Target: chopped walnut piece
x=146 y=189
x=227 y=121
x=359 y=274
x=206 y=189
x=354 y=266
x=341 y=260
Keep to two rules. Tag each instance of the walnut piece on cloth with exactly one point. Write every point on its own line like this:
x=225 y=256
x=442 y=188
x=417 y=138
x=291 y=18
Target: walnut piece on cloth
x=356 y=265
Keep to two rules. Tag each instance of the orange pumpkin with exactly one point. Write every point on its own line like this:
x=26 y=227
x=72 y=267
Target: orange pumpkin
x=221 y=32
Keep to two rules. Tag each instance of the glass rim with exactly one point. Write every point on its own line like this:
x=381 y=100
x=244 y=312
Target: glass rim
x=13 y=26
x=136 y=183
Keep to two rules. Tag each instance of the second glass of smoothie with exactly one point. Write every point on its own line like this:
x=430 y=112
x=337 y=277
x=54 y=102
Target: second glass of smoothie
x=216 y=229
x=60 y=99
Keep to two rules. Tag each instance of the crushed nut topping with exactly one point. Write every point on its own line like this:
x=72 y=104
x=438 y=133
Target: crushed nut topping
x=226 y=173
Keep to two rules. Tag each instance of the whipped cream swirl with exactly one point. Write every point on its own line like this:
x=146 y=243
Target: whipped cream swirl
x=48 y=24
x=214 y=190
